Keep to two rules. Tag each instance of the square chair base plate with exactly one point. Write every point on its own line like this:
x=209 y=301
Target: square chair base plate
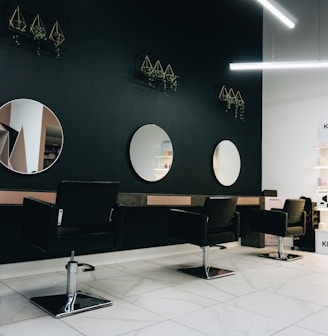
x=281 y=256
x=212 y=272
x=58 y=305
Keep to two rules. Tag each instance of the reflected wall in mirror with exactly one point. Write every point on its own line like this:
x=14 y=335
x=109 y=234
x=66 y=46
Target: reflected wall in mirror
x=31 y=137
x=151 y=153
x=226 y=163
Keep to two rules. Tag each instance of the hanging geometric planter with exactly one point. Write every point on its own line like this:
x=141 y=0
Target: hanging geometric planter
x=17 y=21
x=157 y=77
x=233 y=99
x=146 y=66
x=37 y=29
x=18 y=24
x=57 y=37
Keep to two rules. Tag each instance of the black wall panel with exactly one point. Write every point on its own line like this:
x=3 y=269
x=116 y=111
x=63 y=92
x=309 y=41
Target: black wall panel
x=93 y=90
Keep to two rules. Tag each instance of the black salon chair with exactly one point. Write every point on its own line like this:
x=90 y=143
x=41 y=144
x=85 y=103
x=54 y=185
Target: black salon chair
x=85 y=219
x=289 y=221
x=217 y=223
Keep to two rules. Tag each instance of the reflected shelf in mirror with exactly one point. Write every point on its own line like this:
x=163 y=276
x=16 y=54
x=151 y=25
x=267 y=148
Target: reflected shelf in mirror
x=151 y=153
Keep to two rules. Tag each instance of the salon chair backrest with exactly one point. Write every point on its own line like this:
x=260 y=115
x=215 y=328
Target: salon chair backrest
x=294 y=208
x=220 y=211
x=83 y=203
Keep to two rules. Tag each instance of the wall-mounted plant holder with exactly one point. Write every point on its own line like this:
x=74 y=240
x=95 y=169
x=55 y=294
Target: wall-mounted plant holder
x=36 y=34
x=233 y=101
x=156 y=76
x=57 y=37
x=17 y=21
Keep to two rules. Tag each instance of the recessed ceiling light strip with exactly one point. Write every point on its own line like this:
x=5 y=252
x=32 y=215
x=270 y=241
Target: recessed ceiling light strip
x=278 y=65
x=277 y=13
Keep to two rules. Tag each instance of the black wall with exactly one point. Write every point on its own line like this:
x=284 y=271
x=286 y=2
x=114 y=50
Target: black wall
x=93 y=90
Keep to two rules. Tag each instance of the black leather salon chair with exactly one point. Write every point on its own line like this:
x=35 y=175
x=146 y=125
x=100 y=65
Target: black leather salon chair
x=218 y=223
x=289 y=221
x=85 y=218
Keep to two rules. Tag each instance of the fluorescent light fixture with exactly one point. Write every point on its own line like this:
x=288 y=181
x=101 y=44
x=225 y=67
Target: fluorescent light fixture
x=277 y=12
x=278 y=65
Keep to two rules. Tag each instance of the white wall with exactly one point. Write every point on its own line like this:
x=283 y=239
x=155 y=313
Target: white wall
x=295 y=102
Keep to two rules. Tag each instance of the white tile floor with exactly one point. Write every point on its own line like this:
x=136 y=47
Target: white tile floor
x=150 y=298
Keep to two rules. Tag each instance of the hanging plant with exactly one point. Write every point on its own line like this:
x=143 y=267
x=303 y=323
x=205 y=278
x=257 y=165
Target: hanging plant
x=38 y=31
x=226 y=97
x=17 y=23
x=57 y=37
x=16 y=39
x=239 y=106
x=230 y=99
x=171 y=77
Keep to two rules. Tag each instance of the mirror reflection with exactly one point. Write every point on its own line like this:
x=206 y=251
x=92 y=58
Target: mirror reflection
x=31 y=137
x=226 y=163
x=151 y=153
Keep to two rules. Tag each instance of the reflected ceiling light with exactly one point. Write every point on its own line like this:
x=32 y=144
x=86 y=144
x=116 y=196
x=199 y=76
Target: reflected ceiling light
x=277 y=65
x=277 y=12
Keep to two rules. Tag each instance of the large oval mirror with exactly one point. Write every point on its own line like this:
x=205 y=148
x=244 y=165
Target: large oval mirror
x=31 y=137
x=226 y=162
x=151 y=153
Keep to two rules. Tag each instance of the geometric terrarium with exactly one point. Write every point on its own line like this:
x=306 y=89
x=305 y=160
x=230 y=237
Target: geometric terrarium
x=156 y=76
x=233 y=100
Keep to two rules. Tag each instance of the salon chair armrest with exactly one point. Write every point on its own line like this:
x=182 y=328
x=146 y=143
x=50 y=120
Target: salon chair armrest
x=276 y=209
x=187 y=227
x=118 y=224
x=268 y=221
x=37 y=214
x=236 y=224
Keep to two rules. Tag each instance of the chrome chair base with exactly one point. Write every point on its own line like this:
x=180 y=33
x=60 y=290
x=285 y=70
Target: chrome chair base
x=64 y=305
x=281 y=256
x=207 y=273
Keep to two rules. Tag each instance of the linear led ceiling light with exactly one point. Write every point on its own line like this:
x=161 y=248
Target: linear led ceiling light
x=278 y=65
x=277 y=12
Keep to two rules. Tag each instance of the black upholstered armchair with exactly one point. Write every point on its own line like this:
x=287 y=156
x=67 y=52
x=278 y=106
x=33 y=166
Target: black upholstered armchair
x=289 y=221
x=85 y=219
x=217 y=223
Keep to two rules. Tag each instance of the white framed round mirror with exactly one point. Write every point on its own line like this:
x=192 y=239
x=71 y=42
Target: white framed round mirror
x=226 y=163
x=31 y=136
x=151 y=153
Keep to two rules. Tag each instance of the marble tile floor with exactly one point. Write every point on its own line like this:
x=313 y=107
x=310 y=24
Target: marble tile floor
x=151 y=298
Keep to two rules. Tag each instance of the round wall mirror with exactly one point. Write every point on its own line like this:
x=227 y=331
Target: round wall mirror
x=31 y=137
x=151 y=153
x=226 y=162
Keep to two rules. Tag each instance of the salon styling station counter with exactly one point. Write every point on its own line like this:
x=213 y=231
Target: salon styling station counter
x=127 y=199
x=146 y=217
x=145 y=220
x=144 y=199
